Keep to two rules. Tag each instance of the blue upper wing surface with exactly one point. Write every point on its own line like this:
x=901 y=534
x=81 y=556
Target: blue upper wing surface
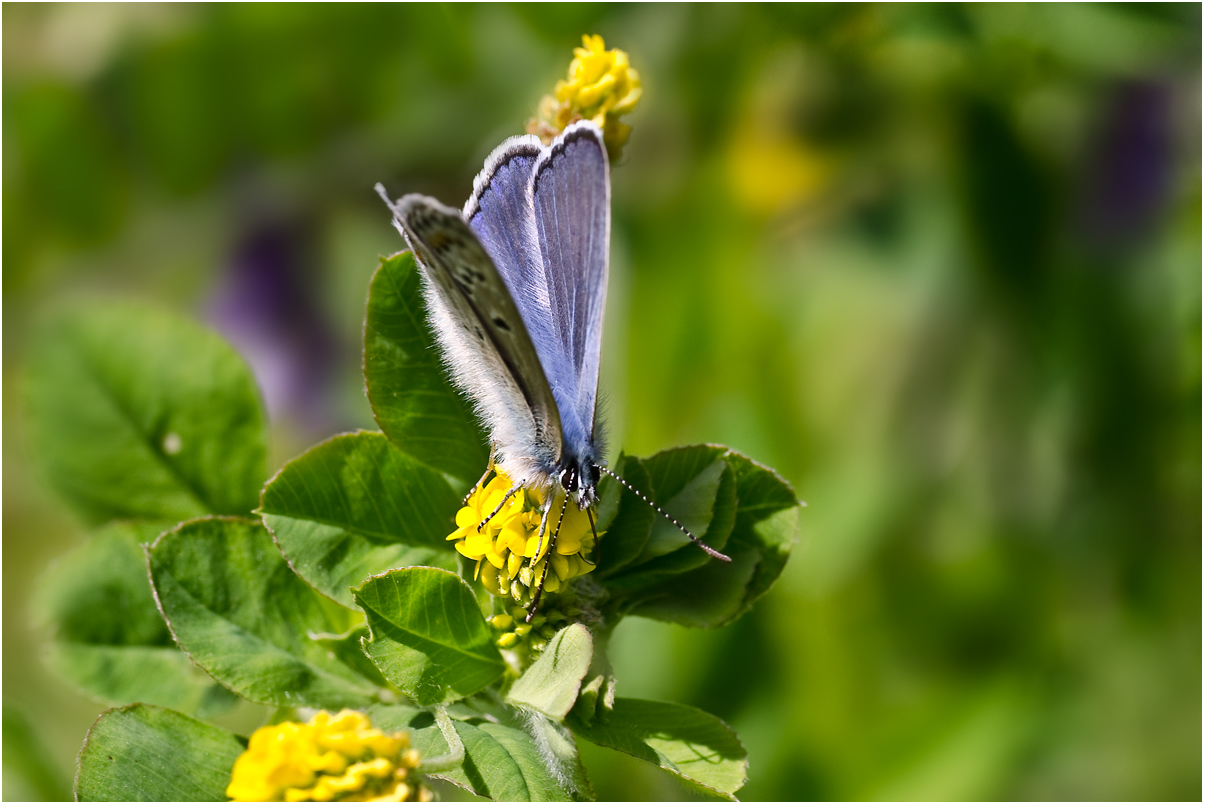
x=571 y=194
x=501 y=215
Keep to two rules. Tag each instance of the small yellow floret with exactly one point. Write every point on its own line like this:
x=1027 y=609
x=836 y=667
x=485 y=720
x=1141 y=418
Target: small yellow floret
x=510 y=552
x=601 y=87
x=336 y=757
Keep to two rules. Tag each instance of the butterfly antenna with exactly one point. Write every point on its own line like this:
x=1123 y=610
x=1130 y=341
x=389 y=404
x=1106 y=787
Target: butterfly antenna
x=710 y=551
x=535 y=602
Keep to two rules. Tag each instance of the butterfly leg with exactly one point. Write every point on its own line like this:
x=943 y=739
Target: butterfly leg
x=597 y=544
x=509 y=494
x=535 y=601
x=543 y=528
x=488 y=469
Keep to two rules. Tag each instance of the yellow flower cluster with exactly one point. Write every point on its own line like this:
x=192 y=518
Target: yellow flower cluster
x=526 y=638
x=333 y=758
x=506 y=547
x=601 y=87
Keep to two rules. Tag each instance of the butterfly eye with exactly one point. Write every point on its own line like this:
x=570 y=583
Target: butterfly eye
x=568 y=479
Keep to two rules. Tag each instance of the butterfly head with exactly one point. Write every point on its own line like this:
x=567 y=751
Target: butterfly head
x=580 y=482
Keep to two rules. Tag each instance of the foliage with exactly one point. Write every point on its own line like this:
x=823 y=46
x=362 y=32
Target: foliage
x=343 y=591
x=938 y=264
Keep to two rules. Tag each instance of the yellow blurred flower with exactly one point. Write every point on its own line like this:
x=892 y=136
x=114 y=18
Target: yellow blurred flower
x=506 y=547
x=601 y=87
x=332 y=758
x=771 y=171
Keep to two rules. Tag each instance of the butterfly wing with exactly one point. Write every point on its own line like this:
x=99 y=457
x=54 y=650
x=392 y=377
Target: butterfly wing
x=571 y=197
x=484 y=337
x=500 y=212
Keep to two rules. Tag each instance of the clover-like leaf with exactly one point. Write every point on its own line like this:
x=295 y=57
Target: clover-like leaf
x=355 y=506
x=108 y=636
x=753 y=520
x=428 y=634
x=626 y=519
x=766 y=528
x=702 y=496
x=408 y=387
x=502 y=762
x=688 y=743
x=143 y=753
x=237 y=609
x=551 y=684
x=139 y=414
x=685 y=481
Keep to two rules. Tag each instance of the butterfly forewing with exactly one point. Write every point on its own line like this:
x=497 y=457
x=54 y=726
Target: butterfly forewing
x=500 y=213
x=470 y=285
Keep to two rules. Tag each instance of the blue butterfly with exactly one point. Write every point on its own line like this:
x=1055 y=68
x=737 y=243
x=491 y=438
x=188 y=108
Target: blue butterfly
x=516 y=286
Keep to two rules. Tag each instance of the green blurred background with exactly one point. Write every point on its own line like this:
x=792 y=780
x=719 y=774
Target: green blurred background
x=938 y=265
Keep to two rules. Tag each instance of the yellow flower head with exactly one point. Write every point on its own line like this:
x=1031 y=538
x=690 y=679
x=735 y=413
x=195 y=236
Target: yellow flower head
x=601 y=87
x=512 y=555
x=333 y=758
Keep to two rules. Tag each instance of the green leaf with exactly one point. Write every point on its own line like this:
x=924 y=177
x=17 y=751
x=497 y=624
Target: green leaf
x=355 y=506
x=772 y=540
x=706 y=597
x=685 y=481
x=108 y=636
x=706 y=494
x=596 y=695
x=559 y=752
x=126 y=674
x=550 y=685
x=760 y=490
x=626 y=519
x=237 y=609
x=143 y=753
x=767 y=527
x=348 y=648
x=759 y=512
x=139 y=414
x=502 y=762
x=408 y=388
x=29 y=773
x=686 y=742
x=767 y=521
x=428 y=634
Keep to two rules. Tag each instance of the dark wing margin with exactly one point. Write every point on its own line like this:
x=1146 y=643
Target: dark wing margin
x=472 y=287
x=571 y=192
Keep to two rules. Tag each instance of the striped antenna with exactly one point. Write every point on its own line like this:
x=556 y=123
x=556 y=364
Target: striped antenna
x=710 y=551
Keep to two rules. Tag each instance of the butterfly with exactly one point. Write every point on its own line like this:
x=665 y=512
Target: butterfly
x=516 y=285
